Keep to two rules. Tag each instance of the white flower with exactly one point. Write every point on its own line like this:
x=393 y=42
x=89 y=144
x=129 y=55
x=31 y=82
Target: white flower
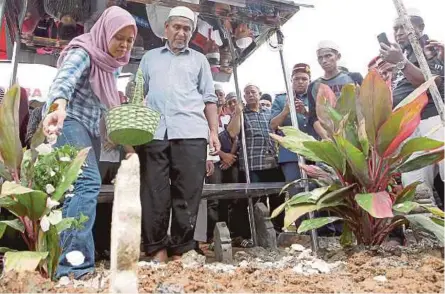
x=65 y=159
x=70 y=195
x=399 y=205
x=49 y=189
x=43 y=149
x=80 y=172
x=51 y=203
x=71 y=188
x=44 y=223
x=75 y=258
x=55 y=217
x=52 y=173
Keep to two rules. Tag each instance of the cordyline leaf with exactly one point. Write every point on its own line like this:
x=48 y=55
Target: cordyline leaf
x=36 y=141
x=23 y=261
x=405 y=207
x=427 y=224
x=295 y=212
x=356 y=160
x=71 y=174
x=33 y=201
x=13 y=206
x=10 y=145
x=293 y=183
x=6 y=249
x=416 y=145
x=293 y=132
x=379 y=204
x=318 y=173
x=348 y=130
x=315 y=223
x=346 y=238
x=434 y=210
x=375 y=103
x=438 y=221
x=334 y=115
x=15 y=224
x=2 y=229
x=416 y=93
x=295 y=144
x=318 y=192
x=363 y=137
x=400 y=125
x=408 y=193
x=346 y=101
x=336 y=194
x=49 y=242
x=325 y=97
x=298 y=199
x=422 y=161
x=327 y=152
x=26 y=168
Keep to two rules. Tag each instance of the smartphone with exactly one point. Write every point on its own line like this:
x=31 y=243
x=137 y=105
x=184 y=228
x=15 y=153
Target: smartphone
x=382 y=38
x=424 y=40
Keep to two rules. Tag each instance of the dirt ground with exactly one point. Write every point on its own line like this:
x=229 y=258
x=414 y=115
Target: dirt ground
x=406 y=271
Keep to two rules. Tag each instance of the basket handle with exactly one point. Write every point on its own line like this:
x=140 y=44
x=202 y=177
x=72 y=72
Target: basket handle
x=138 y=94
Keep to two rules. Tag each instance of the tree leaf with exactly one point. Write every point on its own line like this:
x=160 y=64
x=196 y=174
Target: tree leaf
x=12 y=188
x=23 y=261
x=10 y=145
x=375 y=103
x=13 y=206
x=315 y=223
x=4 y=173
x=418 y=144
x=438 y=221
x=325 y=97
x=346 y=103
x=363 y=137
x=327 y=152
x=399 y=126
x=71 y=174
x=68 y=222
x=422 y=161
x=416 y=93
x=356 y=159
x=336 y=194
x=300 y=198
x=405 y=207
x=408 y=193
x=427 y=224
x=347 y=237
x=434 y=210
x=379 y=204
x=15 y=224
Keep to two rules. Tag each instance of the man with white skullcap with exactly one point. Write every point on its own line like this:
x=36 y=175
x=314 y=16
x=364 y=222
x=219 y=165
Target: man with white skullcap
x=179 y=85
x=328 y=55
x=407 y=77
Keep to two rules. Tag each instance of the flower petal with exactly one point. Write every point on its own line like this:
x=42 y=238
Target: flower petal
x=44 y=223
x=75 y=258
x=49 y=189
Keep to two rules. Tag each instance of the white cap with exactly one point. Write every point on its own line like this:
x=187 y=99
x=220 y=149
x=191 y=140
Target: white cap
x=413 y=12
x=251 y=85
x=219 y=87
x=328 y=45
x=183 y=11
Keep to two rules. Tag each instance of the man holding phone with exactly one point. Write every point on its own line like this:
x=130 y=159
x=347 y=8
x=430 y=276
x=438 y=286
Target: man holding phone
x=407 y=77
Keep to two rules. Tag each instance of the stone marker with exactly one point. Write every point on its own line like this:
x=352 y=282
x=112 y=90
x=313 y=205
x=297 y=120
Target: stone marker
x=126 y=228
x=223 y=243
x=266 y=234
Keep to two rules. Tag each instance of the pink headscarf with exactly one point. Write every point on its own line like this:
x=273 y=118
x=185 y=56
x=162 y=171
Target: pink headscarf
x=103 y=65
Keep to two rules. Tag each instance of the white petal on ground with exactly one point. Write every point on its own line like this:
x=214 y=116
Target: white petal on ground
x=44 y=223
x=52 y=173
x=71 y=188
x=75 y=258
x=55 y=217
x=51 y=203
x=70 y=195
x=49 y=189
x=43 y=149
x=65 y=159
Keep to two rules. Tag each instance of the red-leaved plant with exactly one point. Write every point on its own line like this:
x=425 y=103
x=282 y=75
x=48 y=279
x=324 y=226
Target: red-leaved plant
x=365 y=151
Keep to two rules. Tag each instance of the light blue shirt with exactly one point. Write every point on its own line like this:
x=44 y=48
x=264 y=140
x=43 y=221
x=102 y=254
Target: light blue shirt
x=178 y=87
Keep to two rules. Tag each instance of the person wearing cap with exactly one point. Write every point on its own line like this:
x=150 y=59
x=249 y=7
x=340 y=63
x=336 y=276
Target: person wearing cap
x=179 y=85
x=261 y=151
x=301 y=76
x=266 y=101
x=407 y=77
x=328 y=55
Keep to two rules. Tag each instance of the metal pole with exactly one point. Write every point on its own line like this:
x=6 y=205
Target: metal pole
x=293 y=116
x=14 y=62
x=418 y=51
x=250 y=208
x=2 y=10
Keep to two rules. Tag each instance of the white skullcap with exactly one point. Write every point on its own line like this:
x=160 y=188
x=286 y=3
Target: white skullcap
x=413 y=12
x=183 y=11
x=219 y=87
x=251 y=85
x=328 y=45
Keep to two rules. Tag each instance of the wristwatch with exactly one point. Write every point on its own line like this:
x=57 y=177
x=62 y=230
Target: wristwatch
x=401 y=64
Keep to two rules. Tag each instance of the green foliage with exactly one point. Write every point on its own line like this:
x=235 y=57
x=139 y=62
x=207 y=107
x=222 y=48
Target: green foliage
x=34 y=181
x=365 y=151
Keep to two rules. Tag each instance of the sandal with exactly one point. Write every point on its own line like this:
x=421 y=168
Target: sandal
x=242 y=243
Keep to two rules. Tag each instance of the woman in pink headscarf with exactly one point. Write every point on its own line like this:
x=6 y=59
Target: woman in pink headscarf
x=84 y=88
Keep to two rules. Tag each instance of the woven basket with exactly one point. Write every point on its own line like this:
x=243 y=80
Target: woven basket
x=133 y=124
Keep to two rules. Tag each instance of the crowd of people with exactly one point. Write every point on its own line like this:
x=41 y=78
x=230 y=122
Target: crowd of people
x=199 y=133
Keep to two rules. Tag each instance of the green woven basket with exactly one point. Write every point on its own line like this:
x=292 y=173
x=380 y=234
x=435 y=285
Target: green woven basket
x=133 y=124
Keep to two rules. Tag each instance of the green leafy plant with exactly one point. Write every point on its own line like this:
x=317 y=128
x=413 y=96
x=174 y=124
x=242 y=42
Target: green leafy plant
x=366 y=150
x=35 y=182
